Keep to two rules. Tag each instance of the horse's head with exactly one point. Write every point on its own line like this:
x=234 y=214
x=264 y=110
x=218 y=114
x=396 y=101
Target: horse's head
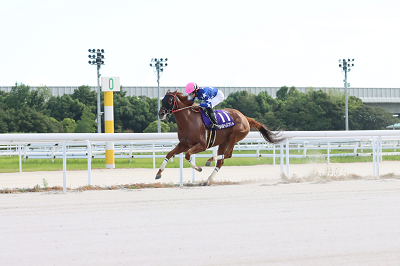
x=168 y=104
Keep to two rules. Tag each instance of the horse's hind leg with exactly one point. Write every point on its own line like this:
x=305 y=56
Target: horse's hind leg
x=178 y=149
x=214 y=158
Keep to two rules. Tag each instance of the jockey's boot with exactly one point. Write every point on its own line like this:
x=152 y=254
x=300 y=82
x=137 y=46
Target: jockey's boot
x=213 y=119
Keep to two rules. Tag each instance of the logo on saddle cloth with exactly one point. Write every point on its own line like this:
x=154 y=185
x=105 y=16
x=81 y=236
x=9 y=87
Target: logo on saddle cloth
x=223 y=118
x=224 y=121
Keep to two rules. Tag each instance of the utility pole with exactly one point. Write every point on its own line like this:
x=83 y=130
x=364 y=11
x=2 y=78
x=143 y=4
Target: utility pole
x=346 y=67
x=158 y=68
x=98 y=56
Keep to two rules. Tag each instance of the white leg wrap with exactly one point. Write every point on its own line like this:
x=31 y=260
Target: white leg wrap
x=164 y=164
x=192 y=164
x=219 y=157
x=213 y=174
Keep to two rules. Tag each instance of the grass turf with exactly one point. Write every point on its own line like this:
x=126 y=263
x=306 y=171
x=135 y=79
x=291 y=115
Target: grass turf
x=9 y=164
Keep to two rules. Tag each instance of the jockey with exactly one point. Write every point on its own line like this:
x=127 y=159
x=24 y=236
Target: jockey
x=210 y=97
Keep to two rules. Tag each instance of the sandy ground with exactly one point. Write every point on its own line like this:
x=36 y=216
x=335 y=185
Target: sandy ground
x=108 y=177
x=261 y=223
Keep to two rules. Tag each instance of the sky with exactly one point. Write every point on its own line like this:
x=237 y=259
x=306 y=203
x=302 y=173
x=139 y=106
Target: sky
x=252 y=43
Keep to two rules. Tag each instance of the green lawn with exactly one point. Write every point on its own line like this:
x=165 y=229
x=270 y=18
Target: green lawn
x=10 y=164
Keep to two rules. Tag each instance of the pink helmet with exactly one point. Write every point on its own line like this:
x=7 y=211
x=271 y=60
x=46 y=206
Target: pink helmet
x=190 y=87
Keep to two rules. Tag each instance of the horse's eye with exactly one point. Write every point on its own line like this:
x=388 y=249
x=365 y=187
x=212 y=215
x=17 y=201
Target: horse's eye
x=170 y=101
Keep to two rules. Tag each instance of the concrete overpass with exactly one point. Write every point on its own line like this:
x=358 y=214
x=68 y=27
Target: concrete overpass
x=387 y=98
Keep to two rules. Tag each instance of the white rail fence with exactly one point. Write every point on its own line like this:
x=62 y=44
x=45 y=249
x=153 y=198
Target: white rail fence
x=130 y=150
x=141 y=142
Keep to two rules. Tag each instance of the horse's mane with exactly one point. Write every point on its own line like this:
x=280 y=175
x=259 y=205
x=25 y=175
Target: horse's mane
x=183 y=98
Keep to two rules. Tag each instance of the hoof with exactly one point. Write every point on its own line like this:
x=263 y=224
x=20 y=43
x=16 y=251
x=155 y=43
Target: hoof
x=204 y=183
x=158 y=176
x=208 y=163
x=199 y=169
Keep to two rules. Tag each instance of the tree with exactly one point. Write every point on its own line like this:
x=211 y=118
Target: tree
x=21 y=96
x=87 y=96
x=333 y=111
x=282 y=93
x=37 y=101
x=364 y=117
x=18 y=96
x=3 y=121
x=173 y=127
x=309 y=111
x=65 y=107
x=242 y=101
x=87 y=122
x=153 y=127
x=44 y=92
x=27 y=120
x=69 y=125
x=267 y=103
x=134 y=113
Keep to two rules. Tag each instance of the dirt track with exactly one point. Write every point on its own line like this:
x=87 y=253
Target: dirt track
x=271 y=173
x=263 y=223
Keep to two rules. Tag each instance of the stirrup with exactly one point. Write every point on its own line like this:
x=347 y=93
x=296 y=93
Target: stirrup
x=213 y=126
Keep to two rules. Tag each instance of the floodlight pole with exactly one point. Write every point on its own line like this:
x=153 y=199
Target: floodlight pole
x=98 y=55
x=346 y=104
x=346 y=66
x=98 y=100
x=158 y=101
x=158 y=67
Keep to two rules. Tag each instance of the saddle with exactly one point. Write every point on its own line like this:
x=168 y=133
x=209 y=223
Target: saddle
x=223 y=118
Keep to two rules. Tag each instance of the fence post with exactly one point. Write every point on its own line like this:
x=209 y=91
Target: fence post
x=193 y=171
x=281 y=158
x=65 y=166
x=373 y=155
x=355 y=148
x=154 y=155
x=287 y=157
x=181 y=169
x=274 y=153
x=377 y=156
x=328 y=150
x=89 y=162
x=20 y=161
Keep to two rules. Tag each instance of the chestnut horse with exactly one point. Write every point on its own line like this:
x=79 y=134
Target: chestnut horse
x=194 y=135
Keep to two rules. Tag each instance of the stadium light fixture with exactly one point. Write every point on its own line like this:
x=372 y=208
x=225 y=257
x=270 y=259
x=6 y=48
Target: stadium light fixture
x=97 y=60
x=346 y=66
x=158 y=68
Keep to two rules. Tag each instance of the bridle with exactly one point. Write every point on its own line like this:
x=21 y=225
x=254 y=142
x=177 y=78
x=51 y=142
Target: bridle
x=175 y=106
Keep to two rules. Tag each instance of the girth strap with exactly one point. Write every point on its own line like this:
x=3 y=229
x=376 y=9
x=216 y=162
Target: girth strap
x=211 y=140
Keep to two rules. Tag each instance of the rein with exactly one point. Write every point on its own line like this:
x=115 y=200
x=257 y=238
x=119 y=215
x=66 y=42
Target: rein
x=193 y=109
x=175 y=105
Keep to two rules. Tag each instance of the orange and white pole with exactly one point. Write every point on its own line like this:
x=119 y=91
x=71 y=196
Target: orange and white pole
x=109 y=85
x=109 y=127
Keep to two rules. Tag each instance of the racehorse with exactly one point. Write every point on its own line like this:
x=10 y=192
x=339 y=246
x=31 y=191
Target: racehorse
x=194 y=136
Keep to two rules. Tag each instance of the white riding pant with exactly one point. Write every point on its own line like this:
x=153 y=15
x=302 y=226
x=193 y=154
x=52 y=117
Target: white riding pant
x=217 y=99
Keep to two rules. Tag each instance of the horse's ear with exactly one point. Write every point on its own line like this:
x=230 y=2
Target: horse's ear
x=167 y=91
x=175 y=92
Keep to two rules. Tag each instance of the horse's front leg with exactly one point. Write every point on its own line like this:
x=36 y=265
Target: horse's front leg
x=178 y=149
x=220 y=160
x=195 y=149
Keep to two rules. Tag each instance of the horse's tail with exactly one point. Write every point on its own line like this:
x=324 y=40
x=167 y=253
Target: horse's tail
x=264 y=131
